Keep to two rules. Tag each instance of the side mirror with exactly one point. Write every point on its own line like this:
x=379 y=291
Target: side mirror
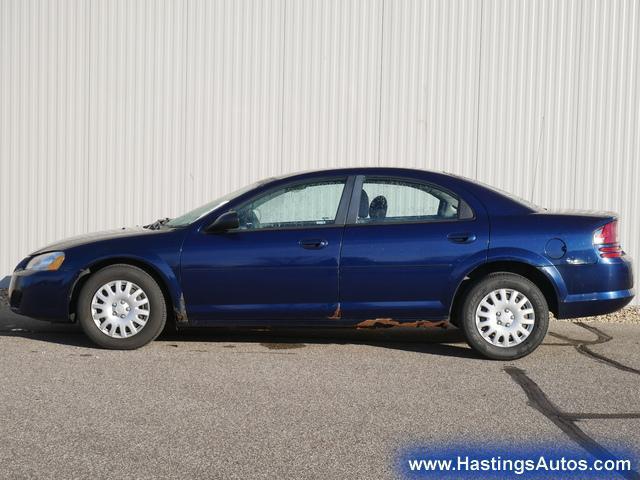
x=226 y=221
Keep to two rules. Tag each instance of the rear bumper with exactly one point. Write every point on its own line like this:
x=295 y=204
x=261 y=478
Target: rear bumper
x=41 y=295
x=590 y=304
x=592 y=289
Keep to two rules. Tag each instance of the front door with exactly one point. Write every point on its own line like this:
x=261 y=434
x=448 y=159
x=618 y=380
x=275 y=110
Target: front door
x=279 y=266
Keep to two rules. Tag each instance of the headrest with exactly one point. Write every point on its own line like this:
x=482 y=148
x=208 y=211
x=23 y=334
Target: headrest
x=378 y=207
x=363 y=211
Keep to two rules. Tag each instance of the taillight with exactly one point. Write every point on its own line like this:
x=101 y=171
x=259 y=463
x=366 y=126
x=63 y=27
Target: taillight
x=606 y=239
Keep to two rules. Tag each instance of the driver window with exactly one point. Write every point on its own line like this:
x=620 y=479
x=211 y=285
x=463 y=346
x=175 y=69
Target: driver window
x=300 y=205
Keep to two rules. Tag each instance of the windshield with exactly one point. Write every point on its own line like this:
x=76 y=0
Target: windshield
x=197 y=213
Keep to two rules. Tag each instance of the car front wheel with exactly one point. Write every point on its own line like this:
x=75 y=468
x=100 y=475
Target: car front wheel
x=121 y=307
x=504 y=316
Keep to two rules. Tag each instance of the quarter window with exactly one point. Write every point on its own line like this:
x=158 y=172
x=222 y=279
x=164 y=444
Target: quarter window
x=389 y=200
x=308 y=204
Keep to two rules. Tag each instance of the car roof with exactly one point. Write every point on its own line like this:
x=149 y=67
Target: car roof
x=495 y=200
x=361 y=171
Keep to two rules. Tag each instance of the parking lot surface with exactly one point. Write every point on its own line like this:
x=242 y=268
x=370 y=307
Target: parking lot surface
x=296 y=404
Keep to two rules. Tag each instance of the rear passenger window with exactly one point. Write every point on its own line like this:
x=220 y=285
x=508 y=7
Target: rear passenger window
x=389 y=200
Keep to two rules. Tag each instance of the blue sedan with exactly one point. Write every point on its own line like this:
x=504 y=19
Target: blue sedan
x=365 y=248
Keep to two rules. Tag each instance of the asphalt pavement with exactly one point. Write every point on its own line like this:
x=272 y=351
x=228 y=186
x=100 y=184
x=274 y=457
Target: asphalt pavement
x=297 y=404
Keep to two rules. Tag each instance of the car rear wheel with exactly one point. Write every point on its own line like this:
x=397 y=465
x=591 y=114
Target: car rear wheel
x=121 y=307
x=504 y=316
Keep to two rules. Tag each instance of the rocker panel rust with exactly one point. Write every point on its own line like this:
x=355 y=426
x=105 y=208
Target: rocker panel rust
x=337 y=315
x=392 y=323
x=181 y=312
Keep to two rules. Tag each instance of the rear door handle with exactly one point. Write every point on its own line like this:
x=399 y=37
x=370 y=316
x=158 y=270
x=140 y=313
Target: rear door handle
x=461 y=237
x=313 y=244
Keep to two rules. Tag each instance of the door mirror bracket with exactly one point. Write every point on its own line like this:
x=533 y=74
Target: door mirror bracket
x=225 y=222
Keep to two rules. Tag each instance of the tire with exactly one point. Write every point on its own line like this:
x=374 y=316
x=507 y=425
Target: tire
x=137 y=316
x=484 y=311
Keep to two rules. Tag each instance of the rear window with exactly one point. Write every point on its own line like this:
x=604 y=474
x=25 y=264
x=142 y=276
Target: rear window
x=515 y=198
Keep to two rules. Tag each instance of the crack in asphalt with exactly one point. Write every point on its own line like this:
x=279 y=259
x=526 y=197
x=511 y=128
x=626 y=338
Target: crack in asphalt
x=566 y=422
x=601 y=416
x=582 y=347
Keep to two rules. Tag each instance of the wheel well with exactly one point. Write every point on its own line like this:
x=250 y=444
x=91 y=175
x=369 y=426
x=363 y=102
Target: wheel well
x=519 y=268
x=86 y=273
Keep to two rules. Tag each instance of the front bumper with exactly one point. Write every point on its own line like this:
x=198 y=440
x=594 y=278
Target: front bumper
x=41 y=295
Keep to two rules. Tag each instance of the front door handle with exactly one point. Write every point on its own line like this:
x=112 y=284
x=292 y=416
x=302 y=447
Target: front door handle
x=313 y=244
x=461 y=237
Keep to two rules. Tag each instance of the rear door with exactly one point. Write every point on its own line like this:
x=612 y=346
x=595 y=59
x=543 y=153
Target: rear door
x=405 y=248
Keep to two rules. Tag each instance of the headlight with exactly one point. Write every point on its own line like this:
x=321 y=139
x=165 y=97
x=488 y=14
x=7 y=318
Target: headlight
x=47 y=261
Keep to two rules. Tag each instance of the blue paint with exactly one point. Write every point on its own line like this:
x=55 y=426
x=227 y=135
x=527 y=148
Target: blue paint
x=555 y=248
x=399 y=270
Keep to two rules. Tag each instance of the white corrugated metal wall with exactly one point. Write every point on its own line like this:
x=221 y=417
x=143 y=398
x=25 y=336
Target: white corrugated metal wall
x=118 y=112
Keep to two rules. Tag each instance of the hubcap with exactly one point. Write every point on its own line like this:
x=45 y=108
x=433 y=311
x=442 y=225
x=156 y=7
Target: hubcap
x=120 y=309
x=505 y=317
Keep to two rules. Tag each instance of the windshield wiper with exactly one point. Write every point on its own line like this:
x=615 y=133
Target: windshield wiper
x=157 y=224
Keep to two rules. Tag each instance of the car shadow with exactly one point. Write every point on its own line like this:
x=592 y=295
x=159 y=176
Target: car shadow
x=433 y=341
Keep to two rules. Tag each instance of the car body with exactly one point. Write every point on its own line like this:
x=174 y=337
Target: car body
x=346 y=261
